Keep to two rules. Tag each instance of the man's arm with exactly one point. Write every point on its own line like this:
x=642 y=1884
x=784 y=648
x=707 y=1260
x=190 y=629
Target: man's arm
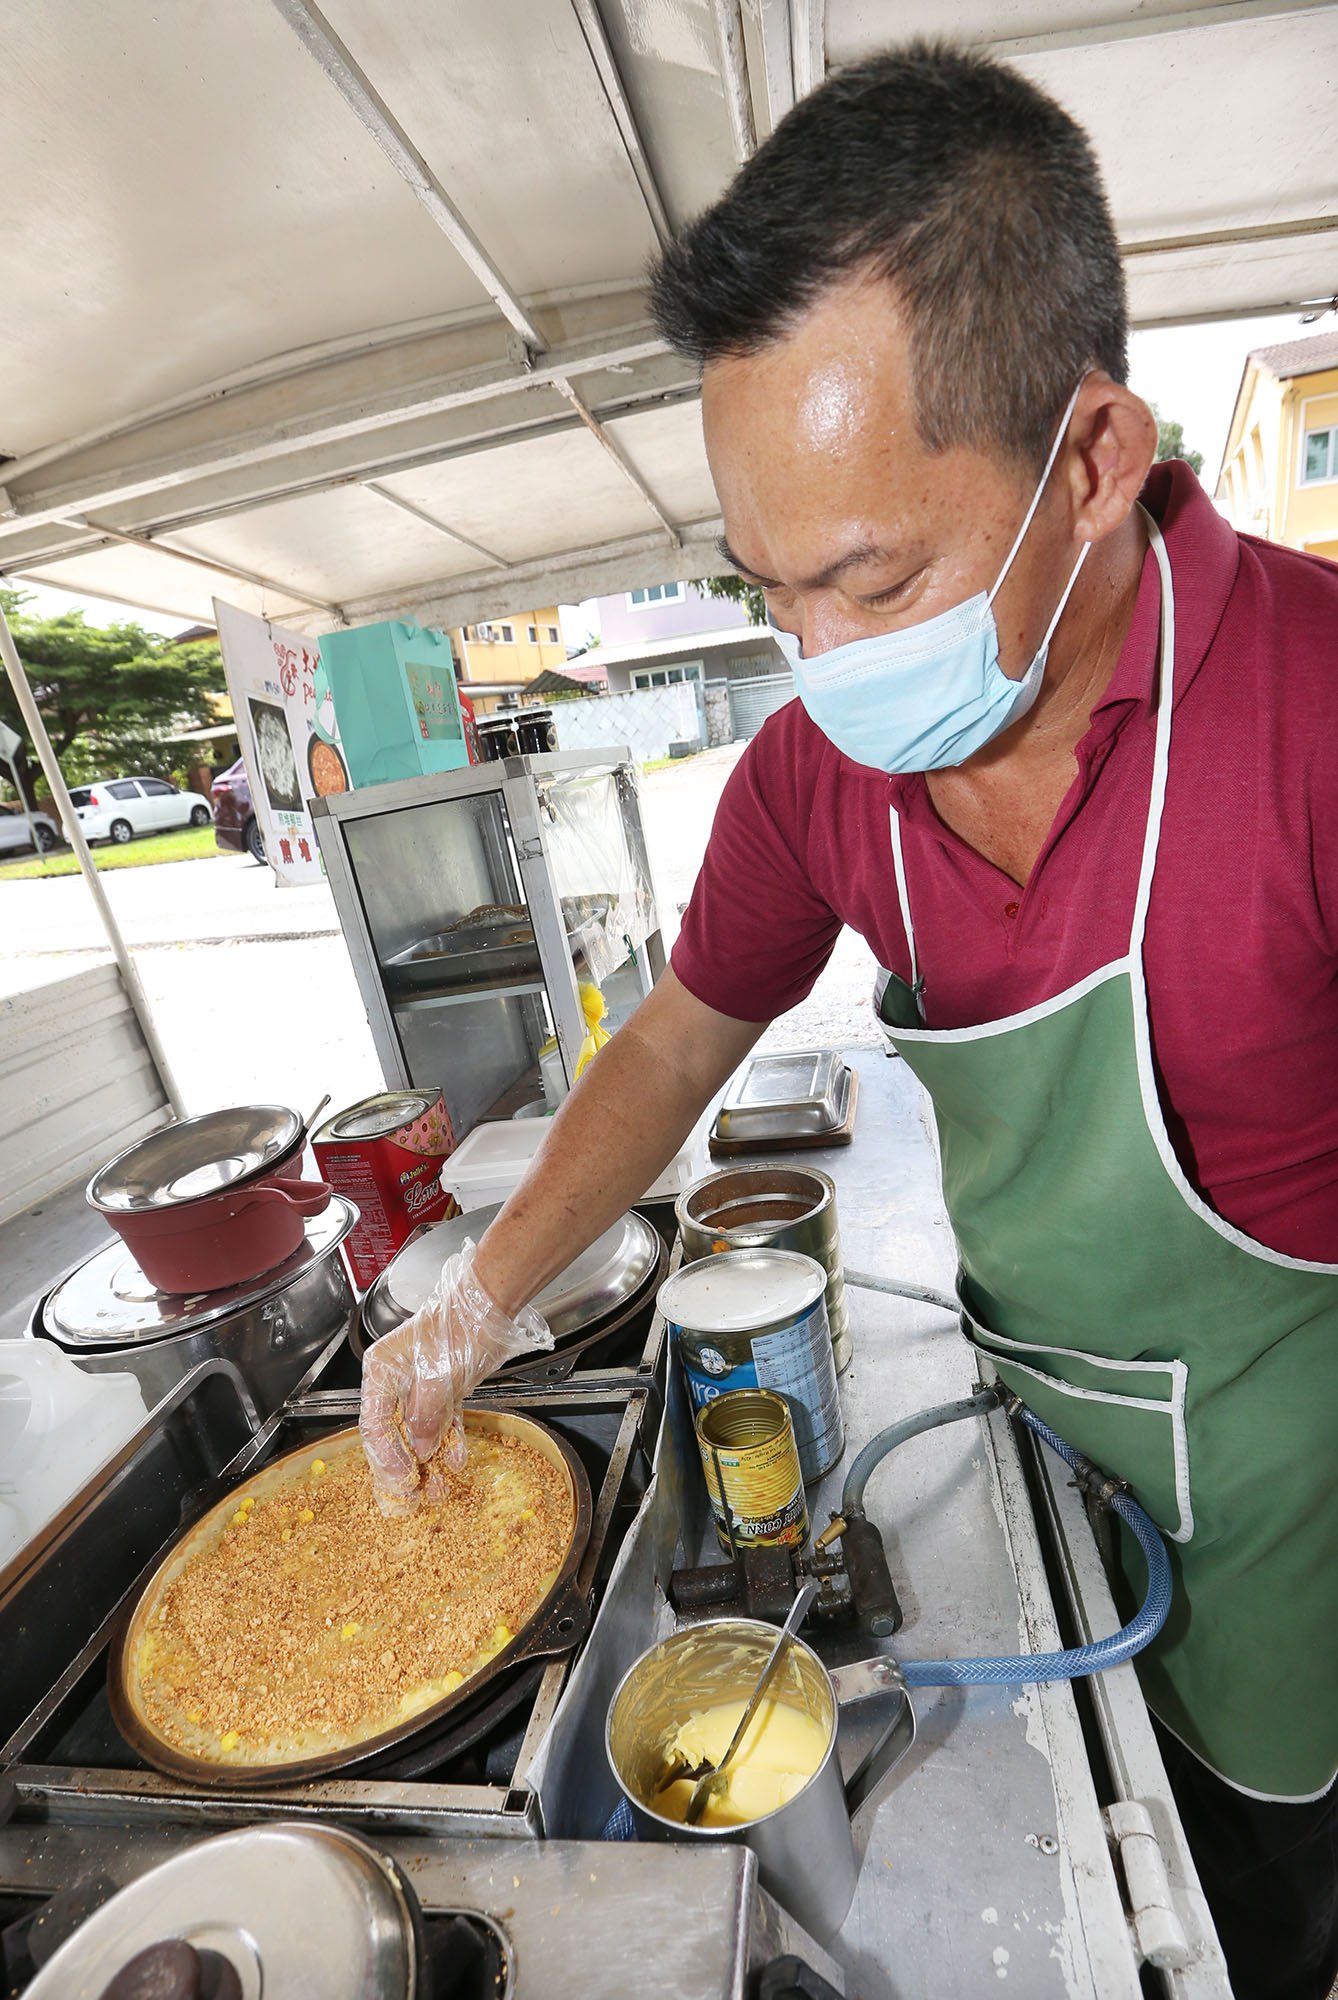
x=631 y=1111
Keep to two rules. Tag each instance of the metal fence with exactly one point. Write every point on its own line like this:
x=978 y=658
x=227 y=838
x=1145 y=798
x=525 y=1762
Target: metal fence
x=751 y=701
x=650 y=720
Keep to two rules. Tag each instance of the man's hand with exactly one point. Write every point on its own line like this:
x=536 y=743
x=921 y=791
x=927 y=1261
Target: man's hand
x=415 y=1380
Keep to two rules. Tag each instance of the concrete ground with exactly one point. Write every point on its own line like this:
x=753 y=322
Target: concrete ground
x=252 y=986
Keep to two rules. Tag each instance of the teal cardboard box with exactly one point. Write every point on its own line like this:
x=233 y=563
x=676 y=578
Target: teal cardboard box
x=395 y=700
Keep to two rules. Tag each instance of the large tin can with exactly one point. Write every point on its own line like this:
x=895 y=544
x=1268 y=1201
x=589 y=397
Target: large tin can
x=788 y=1208
x=757 y=1319
x=751 y=1462
x=386 y=1154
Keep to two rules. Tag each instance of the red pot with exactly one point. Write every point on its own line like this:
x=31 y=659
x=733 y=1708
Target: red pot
x=223 y=1239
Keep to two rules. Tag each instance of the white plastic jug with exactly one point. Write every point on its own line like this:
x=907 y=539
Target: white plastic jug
x=57 y=1426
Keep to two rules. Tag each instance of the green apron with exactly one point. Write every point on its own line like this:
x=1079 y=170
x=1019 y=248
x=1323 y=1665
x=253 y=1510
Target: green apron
x=1174 y=1350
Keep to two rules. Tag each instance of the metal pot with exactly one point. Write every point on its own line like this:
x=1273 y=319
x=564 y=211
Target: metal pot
x=805 y=1849
x=291 y=1908
x=211 y=1201
x=276 y=1328
x=557 y=1625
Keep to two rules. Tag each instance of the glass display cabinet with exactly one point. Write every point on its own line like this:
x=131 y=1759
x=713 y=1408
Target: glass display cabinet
x=489 y=913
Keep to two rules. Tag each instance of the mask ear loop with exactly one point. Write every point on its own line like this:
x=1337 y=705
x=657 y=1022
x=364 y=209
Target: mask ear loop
x=1035 y=503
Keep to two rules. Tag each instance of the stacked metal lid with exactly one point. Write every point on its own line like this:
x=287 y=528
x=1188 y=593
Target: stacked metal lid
x=108 y=1302
x=304 y=1911
x=599 y=1283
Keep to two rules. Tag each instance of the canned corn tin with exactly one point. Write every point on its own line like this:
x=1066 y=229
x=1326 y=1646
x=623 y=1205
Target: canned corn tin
x=756 y=1319
x=746 y=1440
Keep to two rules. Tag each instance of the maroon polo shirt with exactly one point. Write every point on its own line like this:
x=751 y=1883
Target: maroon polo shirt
x=1242 y=936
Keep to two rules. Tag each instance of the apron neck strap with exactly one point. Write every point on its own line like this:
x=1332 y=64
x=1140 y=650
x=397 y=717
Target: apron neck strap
x=1165 y=697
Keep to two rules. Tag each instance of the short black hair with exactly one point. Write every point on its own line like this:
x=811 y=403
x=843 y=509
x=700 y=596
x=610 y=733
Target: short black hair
x=971 y=191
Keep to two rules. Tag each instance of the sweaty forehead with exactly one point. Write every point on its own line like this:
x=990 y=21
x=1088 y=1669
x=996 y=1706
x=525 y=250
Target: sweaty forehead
x=815 y=428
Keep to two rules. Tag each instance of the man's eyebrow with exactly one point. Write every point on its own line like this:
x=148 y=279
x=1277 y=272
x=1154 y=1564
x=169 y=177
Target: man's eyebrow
x=855 y=558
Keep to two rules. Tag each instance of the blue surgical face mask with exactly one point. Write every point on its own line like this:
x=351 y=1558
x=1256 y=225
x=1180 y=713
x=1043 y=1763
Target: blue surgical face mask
x=931 y=694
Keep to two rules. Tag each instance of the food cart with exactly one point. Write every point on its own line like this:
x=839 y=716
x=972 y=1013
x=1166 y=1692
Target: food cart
x=299 y=323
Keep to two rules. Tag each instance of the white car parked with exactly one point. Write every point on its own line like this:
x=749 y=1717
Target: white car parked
x=119 y=808
x=14 y=830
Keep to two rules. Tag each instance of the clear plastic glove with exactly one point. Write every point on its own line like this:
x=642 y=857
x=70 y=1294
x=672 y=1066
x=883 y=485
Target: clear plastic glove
x=415 y=1380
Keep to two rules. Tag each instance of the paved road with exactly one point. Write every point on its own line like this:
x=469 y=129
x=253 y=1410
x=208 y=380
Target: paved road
x=252 y=985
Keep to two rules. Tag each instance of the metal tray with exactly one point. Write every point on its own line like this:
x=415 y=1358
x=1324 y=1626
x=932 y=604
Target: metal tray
x=801 y=1094
x=473 y=955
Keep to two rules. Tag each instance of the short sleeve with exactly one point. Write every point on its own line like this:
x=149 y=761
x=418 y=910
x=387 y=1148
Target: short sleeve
x=757 y=933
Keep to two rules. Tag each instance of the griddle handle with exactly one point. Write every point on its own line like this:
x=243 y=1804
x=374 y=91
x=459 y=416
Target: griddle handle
x=871 y=1588
x=789 y=1978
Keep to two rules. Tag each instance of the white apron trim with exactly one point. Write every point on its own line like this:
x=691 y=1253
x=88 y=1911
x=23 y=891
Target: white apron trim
x=1133 y=962
x=1173 y=1407
x=987 y=1029
x=1265 y=1798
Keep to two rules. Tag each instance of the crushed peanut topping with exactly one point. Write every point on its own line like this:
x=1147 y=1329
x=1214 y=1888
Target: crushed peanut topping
x=295 y=1631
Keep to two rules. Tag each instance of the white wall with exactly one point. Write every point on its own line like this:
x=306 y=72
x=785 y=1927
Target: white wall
x=77 y=1083
x=649 y=720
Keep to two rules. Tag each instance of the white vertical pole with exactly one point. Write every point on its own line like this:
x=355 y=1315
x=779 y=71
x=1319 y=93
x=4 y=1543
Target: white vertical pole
x=28 y=708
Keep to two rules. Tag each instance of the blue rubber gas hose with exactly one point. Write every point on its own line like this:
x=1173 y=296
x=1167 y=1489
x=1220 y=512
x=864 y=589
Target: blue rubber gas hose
x=1075 y=1661
x=1011 y=1670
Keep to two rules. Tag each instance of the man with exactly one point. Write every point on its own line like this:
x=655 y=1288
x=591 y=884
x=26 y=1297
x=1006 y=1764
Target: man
x=1068 y=762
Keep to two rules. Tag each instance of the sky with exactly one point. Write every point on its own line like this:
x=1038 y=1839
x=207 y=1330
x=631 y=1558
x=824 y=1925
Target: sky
x=1191 y=373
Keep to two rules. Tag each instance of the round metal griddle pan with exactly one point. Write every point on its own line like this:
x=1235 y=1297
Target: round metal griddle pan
x=558 y=1624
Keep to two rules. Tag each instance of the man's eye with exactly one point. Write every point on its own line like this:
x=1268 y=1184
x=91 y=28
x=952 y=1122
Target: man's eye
x=897 y=591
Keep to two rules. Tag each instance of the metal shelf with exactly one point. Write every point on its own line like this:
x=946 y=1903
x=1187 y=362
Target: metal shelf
x=465 y=993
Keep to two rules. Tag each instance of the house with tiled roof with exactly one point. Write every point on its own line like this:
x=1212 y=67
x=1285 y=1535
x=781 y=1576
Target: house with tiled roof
x=1279 y=476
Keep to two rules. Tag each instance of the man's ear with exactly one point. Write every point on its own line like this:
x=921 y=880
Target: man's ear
x=1113 y=444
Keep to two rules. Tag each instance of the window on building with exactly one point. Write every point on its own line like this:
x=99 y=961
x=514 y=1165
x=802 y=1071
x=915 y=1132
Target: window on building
x=654 y=593
x=507 y=634
x=534 y=635
x=658 y=677
x=554 y=636
x=1320 y=457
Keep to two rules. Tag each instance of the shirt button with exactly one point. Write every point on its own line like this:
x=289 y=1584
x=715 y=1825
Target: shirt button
x=1010 y=909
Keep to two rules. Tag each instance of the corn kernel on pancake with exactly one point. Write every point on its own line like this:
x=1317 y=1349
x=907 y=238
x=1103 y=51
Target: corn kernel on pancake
x=307 y=1623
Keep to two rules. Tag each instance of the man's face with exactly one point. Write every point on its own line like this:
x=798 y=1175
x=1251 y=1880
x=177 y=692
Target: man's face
x=832 y=503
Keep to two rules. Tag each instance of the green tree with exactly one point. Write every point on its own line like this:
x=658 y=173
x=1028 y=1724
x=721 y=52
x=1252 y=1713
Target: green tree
x=114 y=698
x=1171 y=442
x=736 y=591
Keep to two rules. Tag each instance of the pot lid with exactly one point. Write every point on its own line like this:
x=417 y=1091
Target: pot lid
x=108 y=1302
x=601 y=1279
x=300 y=1911
x=195 y=1157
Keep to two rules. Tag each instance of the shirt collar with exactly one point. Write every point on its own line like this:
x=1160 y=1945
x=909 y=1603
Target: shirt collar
x=1204 y=555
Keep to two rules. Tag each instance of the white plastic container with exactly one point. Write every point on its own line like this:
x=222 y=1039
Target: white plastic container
x=57 y=1426
x=489 y=1165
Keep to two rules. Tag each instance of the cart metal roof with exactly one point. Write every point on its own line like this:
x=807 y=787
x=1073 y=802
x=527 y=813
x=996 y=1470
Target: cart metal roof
x=341 y=316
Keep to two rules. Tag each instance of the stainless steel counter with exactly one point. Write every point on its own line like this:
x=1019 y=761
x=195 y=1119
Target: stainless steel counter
x=989 y=1865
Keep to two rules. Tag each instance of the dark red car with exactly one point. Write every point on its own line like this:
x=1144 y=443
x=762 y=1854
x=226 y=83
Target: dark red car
x=235 y=825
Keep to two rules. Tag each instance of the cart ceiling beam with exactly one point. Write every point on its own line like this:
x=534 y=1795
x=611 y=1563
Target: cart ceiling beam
x=566 y=577
x=306 y=417
x=728 y=23
x=109 y=537
x=616 y=454
x=1099 y=33
x=323 y=45
x=602 y=56
x=24 y=546
x=431 y=521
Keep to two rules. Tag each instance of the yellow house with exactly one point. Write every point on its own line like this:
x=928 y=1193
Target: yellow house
x=513 y=649
x=1279 y=475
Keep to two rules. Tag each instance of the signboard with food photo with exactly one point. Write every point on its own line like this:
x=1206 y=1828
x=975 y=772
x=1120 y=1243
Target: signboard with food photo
x=286 y=726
